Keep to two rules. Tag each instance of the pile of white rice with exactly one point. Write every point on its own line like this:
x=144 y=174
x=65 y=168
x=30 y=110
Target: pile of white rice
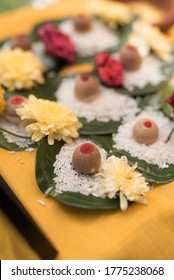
x=97 y=39
x=108 y=106
x=148 y=73
x=159 y=153
x=38 y=49
x=69 y=180
x=15 y=128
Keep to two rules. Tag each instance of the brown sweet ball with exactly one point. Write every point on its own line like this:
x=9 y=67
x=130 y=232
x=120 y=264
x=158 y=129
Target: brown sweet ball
x=86 y=158
x=145 y=131
x=12 y=104
x=86 y=88
x=82 y=23
x=130 y=58
x=22 y=42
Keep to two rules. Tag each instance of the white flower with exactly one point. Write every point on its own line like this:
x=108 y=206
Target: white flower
x=117 y=177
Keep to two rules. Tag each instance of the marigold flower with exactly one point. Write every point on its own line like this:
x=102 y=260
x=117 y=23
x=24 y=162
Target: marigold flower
x=57 y=44
x=117 y=177
x=20 y=69
x=2 y=101
x=47 y=118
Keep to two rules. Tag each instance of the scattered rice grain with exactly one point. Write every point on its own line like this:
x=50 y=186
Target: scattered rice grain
x=48 y=191
x=29 y=150
x=41 y=202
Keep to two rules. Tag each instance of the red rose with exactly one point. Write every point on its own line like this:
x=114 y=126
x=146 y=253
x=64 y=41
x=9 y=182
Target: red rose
x=57 y=44
x=109 y=70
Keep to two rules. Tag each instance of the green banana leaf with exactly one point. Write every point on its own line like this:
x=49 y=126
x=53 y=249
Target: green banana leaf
x=123 y=32
x=44 y=91
x=99 y=128
x=12 y=146
x=152 y=173
x=44 y=170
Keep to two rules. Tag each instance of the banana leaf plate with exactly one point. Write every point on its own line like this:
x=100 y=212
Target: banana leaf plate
x=167 y=70
x=95 y=126
x=152 y=173
x=44 y=91
x=13 y=146
x=123 y=32
x=45 y=158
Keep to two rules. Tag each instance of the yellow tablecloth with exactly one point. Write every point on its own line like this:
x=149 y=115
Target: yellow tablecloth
x=143 y=232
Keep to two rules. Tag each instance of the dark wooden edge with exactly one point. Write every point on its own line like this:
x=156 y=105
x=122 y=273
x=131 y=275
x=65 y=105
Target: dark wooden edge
x=24 y=223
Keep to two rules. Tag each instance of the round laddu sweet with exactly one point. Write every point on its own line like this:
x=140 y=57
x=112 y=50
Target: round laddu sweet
x=145 y=131
x=82 y=23
x=86 y=158
x=130 y=58
x=22 y=42
x=12 y=104
x=86 y=88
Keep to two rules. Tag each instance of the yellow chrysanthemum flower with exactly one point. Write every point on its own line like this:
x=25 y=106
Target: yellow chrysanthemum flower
x=20 y=69
x=2 y=101
x=47 y=118
x=118 y=177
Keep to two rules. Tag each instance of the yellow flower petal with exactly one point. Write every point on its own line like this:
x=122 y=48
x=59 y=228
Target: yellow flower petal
x=48 y=118
x=118 y=177
x=20 y=69
x=2 y=101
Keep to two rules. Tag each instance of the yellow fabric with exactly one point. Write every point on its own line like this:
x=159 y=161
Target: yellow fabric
x=12 y=244
x=143 y=232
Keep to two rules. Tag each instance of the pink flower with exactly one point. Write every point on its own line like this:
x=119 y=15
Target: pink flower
x=170 y=100
x=109 y=70
x=57 y=44
x=101 y=59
